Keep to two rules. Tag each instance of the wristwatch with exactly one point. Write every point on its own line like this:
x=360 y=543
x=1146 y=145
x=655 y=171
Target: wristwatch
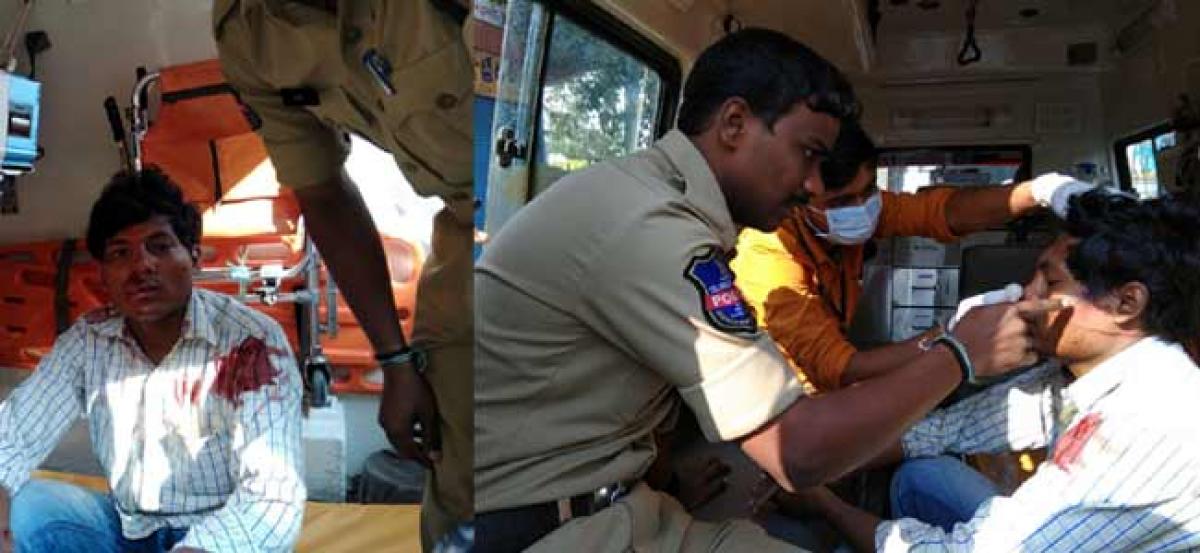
x=404 y=356
x=957 y=348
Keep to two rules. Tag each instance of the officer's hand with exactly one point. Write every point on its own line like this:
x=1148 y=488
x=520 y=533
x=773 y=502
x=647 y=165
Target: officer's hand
x=407 y=400
x=999 y=337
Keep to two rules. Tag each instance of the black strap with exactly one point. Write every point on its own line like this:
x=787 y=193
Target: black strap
x=970 y=52
x=516 y=529
x=62 y=285
x=197 y=92
x=218 y=190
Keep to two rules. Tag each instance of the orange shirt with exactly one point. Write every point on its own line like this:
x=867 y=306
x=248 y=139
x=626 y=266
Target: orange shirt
x=805 y=292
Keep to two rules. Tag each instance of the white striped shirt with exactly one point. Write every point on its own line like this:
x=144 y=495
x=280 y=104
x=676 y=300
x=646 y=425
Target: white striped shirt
x=209 y=439
x=1124 y=467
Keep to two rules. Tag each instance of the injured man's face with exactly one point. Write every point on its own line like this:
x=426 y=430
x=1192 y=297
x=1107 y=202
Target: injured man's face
x=1089 y=325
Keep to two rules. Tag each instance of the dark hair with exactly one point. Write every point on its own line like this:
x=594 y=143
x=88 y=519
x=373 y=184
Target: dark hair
x=851 y=151
x=1153 y=242
x=133 y=198
x=771 y=72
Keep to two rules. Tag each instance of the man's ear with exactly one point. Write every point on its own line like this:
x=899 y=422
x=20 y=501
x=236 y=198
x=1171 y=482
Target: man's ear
x=1132 y=299
x=194 y=251
x=731 y=122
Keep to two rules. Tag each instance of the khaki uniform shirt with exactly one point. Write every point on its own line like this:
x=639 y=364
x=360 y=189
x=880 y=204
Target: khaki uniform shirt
x=267 y=46
x=598 y=302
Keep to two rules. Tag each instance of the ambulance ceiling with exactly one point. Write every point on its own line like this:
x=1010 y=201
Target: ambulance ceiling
x=839 y=29
x=835 y=28
x=940 y=15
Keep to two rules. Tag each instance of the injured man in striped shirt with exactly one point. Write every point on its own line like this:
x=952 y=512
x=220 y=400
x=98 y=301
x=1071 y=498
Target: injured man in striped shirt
x=193 y=402
x=1117 y=411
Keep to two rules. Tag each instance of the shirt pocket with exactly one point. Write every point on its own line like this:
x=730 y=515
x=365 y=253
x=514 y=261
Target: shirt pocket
x=429 y=116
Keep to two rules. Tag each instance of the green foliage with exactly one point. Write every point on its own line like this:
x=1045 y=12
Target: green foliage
x=599 y=102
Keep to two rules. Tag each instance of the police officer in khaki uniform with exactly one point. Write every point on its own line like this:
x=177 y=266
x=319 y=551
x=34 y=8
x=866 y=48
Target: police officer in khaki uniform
x=609 y=297
x=398 y=74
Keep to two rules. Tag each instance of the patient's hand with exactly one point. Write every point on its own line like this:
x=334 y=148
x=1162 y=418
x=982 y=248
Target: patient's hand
x=803 y=503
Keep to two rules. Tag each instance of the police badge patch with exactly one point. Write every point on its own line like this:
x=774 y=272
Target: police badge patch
x=723 y=304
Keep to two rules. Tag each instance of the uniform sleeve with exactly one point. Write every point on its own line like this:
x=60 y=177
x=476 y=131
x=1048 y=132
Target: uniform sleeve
x=304 y=151
x=795 y=316
x=266 y=508
x=1014 y=415
x=37 y=413
x=661 y=291
x=920 y=214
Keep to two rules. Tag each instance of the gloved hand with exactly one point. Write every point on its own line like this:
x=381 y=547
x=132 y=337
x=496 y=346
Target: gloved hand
x=1054 y=190
x=1010 y=293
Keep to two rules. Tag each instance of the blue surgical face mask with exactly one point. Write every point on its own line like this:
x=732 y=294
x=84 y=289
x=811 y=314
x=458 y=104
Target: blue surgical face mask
x=852 y=225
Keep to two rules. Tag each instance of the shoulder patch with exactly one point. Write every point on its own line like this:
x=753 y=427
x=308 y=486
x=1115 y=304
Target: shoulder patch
x=720 y=299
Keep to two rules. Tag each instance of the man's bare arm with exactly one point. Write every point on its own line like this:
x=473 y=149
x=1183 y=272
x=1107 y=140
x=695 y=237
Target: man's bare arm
x=345 y=234
x=342 y=227
x=871 y=363
x=822 y=437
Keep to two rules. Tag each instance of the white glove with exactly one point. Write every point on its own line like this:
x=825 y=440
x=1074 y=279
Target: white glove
x=1054 y=190
x=1009 y=293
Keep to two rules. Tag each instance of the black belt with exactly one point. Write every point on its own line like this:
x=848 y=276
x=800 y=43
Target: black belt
x=515 y=529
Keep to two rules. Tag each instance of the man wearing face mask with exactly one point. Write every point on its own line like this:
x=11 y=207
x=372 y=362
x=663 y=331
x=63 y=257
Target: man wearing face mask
x=803 y=280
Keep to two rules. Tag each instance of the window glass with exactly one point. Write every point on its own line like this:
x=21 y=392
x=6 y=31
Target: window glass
x=598 y=103
x=1143 y=169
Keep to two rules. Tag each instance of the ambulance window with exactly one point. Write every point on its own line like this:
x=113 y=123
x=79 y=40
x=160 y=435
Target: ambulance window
x=575 y=86
x=911 y=169
x=1139 y=157
x=597 y=102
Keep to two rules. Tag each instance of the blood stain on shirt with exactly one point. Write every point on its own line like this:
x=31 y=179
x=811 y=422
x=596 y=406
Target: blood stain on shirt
x=1067 y=451
x=246 y=368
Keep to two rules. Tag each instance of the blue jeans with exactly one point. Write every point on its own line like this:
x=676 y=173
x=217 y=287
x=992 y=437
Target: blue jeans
x=941 y=491
x=458 y=540
x=52 y=516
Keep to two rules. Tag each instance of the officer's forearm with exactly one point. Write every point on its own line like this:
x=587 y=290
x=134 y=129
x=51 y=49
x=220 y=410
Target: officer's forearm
x=822 y=437
x=874 y=362
x=341 y=226
x=975 y=209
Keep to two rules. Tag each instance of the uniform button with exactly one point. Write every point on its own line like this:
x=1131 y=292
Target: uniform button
x=352 y=34
x=446 y=100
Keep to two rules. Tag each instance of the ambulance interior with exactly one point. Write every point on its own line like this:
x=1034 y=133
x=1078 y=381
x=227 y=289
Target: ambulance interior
x=118 y=84
x=1104 y=90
